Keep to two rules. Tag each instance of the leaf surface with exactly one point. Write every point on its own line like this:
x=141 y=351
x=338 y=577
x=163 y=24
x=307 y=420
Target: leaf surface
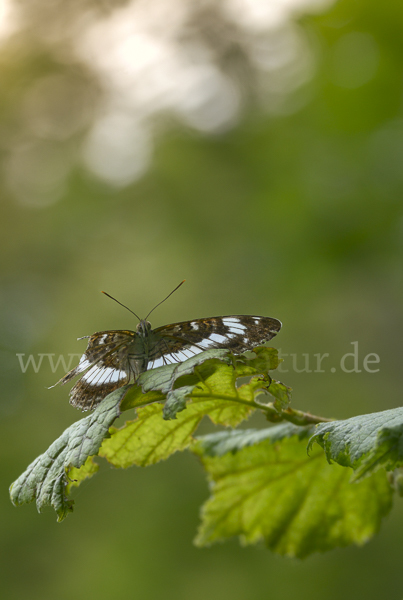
x=149 y=438
x=204 y=388
x=77 y=475
x=203 y=385
x=45 y=479
x=365 y=443
x=264 y=486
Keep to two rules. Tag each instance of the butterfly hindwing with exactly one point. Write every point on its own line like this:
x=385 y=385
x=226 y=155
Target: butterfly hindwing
x=106 y=367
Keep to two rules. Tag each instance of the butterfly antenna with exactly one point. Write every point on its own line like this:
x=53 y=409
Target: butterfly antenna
x=178 y=286
x=112 y=298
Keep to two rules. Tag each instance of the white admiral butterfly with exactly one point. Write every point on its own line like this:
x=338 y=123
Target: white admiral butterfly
x=114 y=358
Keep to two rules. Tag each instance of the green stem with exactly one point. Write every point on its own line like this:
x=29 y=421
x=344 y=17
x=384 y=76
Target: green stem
x=273 y=415
x=298 y=417
x=302 y=418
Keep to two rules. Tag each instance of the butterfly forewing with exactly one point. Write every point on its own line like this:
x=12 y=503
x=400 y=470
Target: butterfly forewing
x=113 y=358
x=238 y=333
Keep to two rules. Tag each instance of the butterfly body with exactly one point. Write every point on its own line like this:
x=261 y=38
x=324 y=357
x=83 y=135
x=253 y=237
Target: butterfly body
x=116 y=357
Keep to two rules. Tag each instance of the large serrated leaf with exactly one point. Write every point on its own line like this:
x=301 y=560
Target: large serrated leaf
x=365 y=443
x=205 y=388
x=272 y=490
x=45 y=479
x=222 y=442
x=149 y=438
x=204 y=385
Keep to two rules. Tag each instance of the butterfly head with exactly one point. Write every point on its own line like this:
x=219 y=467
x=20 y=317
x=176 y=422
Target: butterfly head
x=144 y=327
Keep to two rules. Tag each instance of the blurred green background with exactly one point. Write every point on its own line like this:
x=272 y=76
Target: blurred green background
x=251 y=147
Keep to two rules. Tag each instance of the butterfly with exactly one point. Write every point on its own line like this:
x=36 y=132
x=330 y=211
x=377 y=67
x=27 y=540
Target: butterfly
x=114 y=358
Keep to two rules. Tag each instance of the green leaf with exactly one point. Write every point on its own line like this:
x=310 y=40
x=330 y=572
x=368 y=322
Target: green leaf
x=266 y=487
x=218 y=444
x=176 y=401
x=206 y=386
x=209 y=375
x=149 y=438
x=259 y=360
x=281 y=393
x=164 y=379
x=45 y=479
x=77 y=476
x=365 y=443
x=217 y=392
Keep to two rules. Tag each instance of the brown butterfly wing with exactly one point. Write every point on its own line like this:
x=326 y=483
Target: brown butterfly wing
x=238 y=333
x=105 y=366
